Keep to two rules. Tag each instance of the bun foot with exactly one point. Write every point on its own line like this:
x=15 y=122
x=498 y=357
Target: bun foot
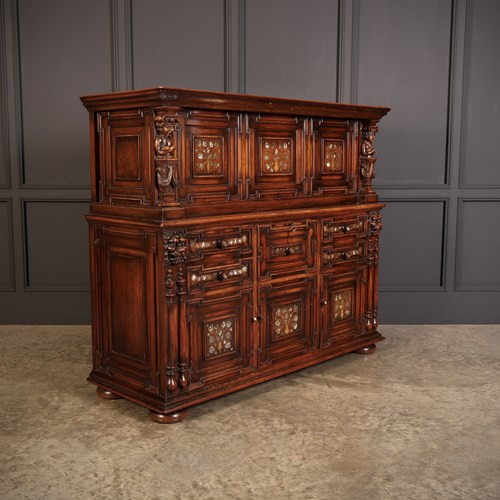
x=104 y=394
x=367 y=350
x=170 y=418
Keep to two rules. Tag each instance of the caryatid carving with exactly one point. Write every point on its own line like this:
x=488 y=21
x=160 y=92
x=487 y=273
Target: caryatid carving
x=166 y=128
x=366 y=157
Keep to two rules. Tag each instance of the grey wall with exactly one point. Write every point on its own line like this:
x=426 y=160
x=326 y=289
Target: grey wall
x=435 y=62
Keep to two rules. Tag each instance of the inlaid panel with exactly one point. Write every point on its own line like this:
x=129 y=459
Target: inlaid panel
x=208 y=155
x=286 y=319
x=54 y=260
x=219 y=336
x=333 y=156
x=403 y=50
x=342 y=305
x=59 y=61
x=481 y=113
x=276 y=156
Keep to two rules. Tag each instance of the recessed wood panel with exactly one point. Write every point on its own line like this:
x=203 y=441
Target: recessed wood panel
x=65 y=52
x=411 y=244
x=478 y=245
x=6 y=257
x=291 y=48
x=403 y=62
x=184 y=49
x=128 y=305
x=56 y=244
x=481 y=113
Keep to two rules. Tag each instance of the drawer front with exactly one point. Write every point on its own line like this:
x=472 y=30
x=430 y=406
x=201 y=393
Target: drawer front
x=286 y=248
x=346 y=253
x=334 y=228
x=220 y=244
x=207 y=277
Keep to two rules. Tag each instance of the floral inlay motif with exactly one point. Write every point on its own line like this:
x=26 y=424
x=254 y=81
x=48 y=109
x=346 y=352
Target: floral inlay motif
x=333 y=154
x=220 y=336
x=276 y=156
x=207 y=155
x=342 y=303
x=286 y=319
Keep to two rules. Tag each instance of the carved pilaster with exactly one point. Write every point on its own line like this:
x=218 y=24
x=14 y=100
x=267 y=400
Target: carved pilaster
x=367 y=157
x=166 y=156
x=174 y=251
x=374 y=228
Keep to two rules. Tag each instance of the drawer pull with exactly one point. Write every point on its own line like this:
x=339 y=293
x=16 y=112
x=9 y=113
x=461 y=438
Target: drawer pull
x=324 y=302
x=219 y=275
x=218 y=243
x=287 y=250
x=348 y=254
x=254 y=319
x=342 y=228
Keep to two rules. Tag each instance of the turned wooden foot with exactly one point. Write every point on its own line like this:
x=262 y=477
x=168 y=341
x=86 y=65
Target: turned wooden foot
x=104 y=394
x=367 y=350
x=170 y=418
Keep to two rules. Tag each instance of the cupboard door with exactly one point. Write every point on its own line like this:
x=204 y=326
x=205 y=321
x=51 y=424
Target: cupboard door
x=220 y=334
x=212 y=152
x=342 y=306
x=335 y=157
x=277 y=149
x=286 y=320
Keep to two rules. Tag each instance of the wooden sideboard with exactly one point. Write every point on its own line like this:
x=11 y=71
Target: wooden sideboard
x=233 y=239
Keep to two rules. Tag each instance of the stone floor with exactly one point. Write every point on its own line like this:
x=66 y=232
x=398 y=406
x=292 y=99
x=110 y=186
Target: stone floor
x=419 y=419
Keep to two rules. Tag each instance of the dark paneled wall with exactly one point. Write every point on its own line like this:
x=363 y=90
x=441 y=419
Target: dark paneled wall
x=433 y=61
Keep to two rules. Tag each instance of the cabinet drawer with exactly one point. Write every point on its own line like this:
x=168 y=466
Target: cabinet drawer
x=343 y=255
x=219 y=244
x=207 y=277
x=342 y=227
x=286 y=248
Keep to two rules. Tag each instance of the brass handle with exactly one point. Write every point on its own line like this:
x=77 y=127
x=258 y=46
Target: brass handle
x=324 y=302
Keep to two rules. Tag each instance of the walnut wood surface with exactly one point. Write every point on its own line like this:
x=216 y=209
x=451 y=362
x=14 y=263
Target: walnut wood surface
x=233 y=239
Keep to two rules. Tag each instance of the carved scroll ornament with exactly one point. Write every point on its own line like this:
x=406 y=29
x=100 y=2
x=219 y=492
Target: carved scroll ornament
x=166 y=154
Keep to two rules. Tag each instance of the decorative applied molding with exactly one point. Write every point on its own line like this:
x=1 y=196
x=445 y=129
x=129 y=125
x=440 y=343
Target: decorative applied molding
x=367 y=157
x=276 y=156
x=208 y=155
x=333 y=156
x=220 y=336
x=286 y=319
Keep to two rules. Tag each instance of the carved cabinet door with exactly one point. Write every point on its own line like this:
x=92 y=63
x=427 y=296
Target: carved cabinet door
x=220 y=336
x=343 y=303
x=286 y=320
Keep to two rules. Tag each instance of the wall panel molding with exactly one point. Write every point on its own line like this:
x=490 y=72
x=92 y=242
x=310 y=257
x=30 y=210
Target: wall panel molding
x=478 y=246
x=7 y=260
x=5 y=181
x=423 y=239
x=121 y=43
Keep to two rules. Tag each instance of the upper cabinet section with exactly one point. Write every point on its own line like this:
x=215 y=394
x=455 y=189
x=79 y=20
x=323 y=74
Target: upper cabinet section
x=186 y=149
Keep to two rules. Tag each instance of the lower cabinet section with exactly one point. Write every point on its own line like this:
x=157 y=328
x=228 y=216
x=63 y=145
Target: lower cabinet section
x=174 y=327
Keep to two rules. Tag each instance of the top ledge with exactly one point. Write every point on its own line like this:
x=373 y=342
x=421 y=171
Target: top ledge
x=225 y=101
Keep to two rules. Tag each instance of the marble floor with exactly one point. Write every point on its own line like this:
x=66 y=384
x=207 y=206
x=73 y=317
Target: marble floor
x=418 y=419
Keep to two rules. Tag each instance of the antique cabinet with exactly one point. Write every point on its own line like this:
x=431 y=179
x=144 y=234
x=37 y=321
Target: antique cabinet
x=233 y=239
